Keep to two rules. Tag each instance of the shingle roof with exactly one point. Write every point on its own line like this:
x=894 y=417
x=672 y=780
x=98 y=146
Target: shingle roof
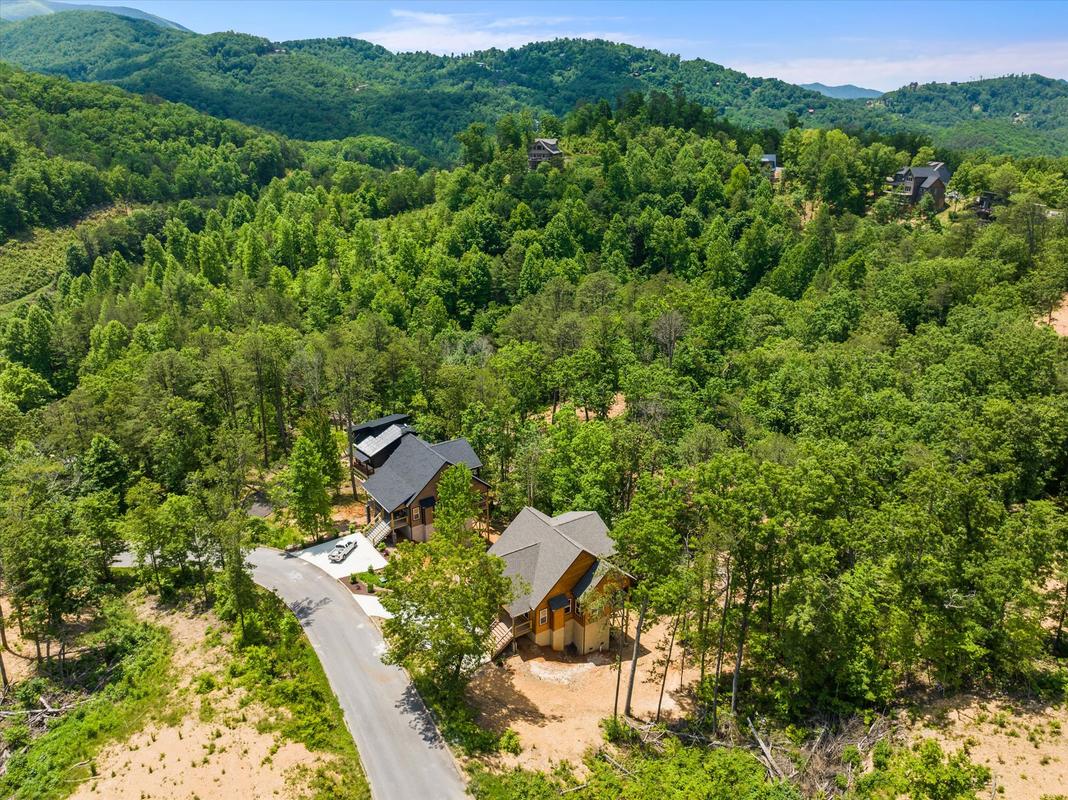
x=590 y=580
x=377 y=423
x=458 y=451
x=934 y=170
x=549 y=144
x=411 y=466
x=538 y=549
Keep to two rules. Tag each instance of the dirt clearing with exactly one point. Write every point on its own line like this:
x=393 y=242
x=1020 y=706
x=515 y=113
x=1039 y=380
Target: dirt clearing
x=206 y=742
x=1024 y=747
x=1059 y=319
x=555 y=704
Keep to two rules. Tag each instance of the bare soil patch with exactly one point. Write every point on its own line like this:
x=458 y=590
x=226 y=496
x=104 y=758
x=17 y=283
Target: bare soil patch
x=1025 y=747
x=346 y=509
x=19 y=657
x=555 y=703
x=208 y=741
x=1059 y=320
x=616 y=409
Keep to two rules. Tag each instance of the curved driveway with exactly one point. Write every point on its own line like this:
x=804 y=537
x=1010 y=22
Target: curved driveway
x=400 y=747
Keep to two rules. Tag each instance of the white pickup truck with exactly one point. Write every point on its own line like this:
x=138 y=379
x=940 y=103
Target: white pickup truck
x=341 y=550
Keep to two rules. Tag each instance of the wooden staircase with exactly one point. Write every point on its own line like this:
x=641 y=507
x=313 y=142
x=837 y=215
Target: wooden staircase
x=502 y=637
x=378 y=532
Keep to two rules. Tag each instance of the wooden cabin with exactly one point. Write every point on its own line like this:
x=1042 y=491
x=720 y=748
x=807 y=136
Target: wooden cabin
x=545 y=150
x=910 y=184
x=563 y=578
x=403 y=487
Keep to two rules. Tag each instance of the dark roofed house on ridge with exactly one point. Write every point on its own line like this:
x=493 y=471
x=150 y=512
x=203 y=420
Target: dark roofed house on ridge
x=545 y=150
x=559 y=566
x=910 y=184
x=401 y=475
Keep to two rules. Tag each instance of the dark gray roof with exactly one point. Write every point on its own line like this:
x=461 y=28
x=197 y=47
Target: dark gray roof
x=934 y=170
x=410 y=467
x=538 y=549
x=458 y=451
x=381 y=422
x=590 y=580
x=558 y=602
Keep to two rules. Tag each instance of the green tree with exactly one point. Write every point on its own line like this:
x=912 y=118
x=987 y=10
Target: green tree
x=445 y=594
x=305 y=489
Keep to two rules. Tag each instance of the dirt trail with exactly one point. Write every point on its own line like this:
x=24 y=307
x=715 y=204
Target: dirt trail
x=207 y=743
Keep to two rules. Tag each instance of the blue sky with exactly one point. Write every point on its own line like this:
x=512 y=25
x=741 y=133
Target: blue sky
x=881 y=45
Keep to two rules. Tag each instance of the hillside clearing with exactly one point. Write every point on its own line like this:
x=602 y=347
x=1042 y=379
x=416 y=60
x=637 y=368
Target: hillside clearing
x=1059 y=319
x=206 y=738
x=31 y=261
x=556 y=704
x=1025 y=746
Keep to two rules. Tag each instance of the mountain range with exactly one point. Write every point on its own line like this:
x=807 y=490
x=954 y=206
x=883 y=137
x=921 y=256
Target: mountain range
x=332 y=88
x=14 y=10
x=846 y=91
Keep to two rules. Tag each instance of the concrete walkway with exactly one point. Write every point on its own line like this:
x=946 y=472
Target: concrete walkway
x=400 y=747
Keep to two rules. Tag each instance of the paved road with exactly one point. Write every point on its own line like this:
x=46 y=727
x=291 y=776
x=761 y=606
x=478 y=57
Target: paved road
x=400 y=747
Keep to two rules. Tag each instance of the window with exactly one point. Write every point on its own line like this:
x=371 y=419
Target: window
x=567 y=608
x=543 y=616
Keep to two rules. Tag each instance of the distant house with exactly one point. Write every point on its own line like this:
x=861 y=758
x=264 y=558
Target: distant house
x=769 y=162
x=402 y=473
x=984 y=205
x=545 y=150
x=910 y=184
x=559 y=567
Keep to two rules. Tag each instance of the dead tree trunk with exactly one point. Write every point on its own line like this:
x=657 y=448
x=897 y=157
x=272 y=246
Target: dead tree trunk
x=742 y=633
x=719 y=649
x=619 y=661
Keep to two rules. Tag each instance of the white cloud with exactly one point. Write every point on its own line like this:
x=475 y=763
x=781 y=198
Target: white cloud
x=463 y=33
x=886 y=72
x=423 y=17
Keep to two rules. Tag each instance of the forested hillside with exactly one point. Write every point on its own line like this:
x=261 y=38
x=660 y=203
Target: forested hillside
x=65 y=148
x=14 y=10
x=332 y=88
x=1014 y=114
x=843 y=459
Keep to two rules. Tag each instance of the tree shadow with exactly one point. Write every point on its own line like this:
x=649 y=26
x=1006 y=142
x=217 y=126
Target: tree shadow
x=304 y=608
x=499 y=703
x=419 y=719
x=527 y=650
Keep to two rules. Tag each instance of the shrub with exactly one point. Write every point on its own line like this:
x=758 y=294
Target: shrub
x=509 y=742
x=17 y=735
